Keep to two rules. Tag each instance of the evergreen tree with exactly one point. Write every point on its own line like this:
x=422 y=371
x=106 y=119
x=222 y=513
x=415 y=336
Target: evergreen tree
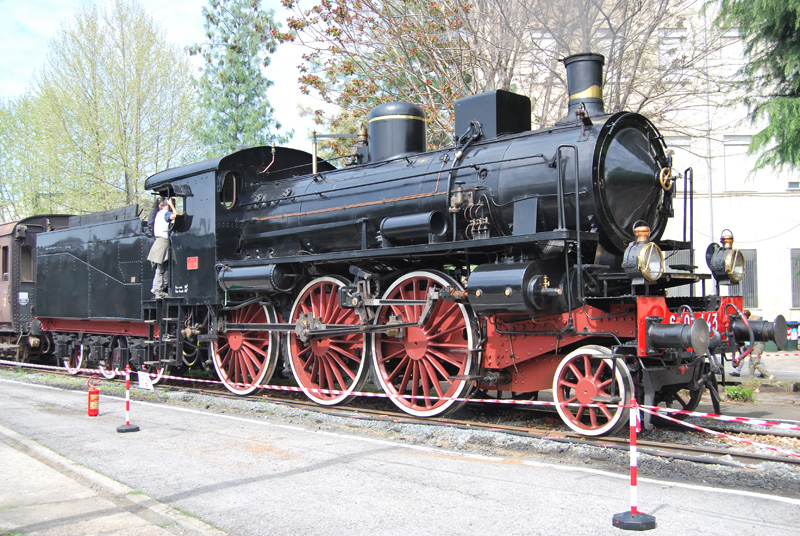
x=770 y=29
x=233 y=86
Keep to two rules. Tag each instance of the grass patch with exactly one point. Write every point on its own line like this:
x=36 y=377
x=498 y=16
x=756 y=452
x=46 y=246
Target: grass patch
x=737 y=393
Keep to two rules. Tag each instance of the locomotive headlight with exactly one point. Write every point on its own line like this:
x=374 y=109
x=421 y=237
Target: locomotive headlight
x=650 y=261
x=726 y=263
x=734 y=265
x=643 y=259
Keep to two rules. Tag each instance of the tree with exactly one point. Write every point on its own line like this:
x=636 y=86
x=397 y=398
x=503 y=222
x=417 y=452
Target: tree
x=362 y=52
x=233 y=86
x=769 y=29
x=113 y=104
x=27 y=166
x=365 y=52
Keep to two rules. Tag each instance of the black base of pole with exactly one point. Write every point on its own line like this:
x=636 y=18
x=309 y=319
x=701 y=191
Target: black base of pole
x=127 y=428
x=629 y=521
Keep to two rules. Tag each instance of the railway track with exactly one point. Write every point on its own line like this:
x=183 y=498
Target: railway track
x=498 y=419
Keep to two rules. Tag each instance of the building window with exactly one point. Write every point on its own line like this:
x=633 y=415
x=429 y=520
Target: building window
x=738 y=164
x=748 y=288
x=672 y=44
x=679 y=260
x=732 y=57
x=795 y=266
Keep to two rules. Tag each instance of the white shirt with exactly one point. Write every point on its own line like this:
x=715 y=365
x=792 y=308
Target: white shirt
x=161 y=225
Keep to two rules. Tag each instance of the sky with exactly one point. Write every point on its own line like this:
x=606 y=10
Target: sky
x=28 y=26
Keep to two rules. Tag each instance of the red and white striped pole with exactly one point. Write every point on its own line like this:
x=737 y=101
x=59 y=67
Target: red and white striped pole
x=128 y=427
x=634 y=520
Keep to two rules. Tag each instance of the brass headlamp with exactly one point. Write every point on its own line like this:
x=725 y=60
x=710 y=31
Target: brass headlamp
x=726 y=263
x=643 y=259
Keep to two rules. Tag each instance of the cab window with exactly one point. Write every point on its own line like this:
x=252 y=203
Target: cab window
x=229 y=192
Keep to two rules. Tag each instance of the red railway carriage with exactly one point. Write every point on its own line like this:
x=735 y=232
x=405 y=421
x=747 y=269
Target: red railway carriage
x=18 y=286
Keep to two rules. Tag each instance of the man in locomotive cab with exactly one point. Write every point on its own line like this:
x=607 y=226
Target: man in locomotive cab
x=159 y=252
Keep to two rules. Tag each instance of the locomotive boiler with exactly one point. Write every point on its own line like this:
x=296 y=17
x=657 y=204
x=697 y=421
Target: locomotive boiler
x=513 y=262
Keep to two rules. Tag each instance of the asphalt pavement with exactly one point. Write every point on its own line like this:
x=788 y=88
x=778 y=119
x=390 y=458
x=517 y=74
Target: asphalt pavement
x=193 y=471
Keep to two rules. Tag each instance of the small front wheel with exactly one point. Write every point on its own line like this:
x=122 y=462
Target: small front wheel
x=581 y=378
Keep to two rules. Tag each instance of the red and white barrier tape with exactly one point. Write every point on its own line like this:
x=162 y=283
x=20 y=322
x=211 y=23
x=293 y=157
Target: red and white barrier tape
x=721 y=434
x=726 y=418
x=659 y=411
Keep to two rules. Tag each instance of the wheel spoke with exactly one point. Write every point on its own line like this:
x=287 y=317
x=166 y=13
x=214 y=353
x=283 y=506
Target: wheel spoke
x=400 y=351
x=407 y=373
x=593 y=417
x=455 y=361
x=565 y=383
x=442 y=334
x=401 y=366
x=255 y=350
x=450 y=315
x=575 y=371
x=415 y=382
x=599 y=372
x=248 y=359
x=435 y=364
x=337 y=371
x=341 y=365
x=430 y=375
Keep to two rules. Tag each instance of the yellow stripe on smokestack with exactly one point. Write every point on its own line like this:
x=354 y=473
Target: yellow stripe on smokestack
x=590 y=92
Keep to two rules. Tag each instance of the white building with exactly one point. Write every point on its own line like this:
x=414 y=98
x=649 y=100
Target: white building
x=761 y=209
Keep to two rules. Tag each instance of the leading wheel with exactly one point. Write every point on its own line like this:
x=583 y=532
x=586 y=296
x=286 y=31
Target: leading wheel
x=679 y=397
x=417 y=365
x=327 y=369
x=246 y=358
x=75 y=360
x=583 y=376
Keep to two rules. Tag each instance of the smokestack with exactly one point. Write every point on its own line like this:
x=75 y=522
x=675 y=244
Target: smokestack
x=585 y=82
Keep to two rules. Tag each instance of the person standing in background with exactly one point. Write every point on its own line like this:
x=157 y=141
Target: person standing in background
x=755 y=358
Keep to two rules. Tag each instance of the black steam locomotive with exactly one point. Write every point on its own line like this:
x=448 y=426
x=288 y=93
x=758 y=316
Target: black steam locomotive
x=514 y=261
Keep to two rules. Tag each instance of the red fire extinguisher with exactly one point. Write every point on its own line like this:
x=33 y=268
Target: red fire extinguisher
x=94 y=396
